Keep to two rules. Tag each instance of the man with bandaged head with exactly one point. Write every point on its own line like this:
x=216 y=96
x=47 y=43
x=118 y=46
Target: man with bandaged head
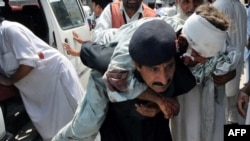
x=202 y=115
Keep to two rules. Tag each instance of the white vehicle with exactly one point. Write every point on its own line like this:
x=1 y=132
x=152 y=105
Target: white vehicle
x=53 y=21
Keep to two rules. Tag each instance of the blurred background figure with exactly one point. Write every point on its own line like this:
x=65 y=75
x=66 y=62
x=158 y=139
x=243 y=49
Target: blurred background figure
x=165 y=8
x=158 y=4
x=236 y=13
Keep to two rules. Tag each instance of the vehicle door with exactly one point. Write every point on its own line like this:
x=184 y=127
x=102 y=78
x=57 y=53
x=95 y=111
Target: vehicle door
x=64 y=17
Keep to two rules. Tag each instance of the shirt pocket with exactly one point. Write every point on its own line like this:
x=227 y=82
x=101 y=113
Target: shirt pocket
x=9 y=63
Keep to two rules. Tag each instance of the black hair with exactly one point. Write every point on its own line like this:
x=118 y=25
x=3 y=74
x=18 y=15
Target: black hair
x=102 y=3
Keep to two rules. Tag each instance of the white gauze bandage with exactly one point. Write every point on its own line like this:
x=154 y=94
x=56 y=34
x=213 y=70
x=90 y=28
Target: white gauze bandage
x=203 y=37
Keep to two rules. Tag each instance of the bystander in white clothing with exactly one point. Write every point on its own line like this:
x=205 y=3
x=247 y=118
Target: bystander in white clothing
x=237 y=33
x=51 y=90
x=104 y=23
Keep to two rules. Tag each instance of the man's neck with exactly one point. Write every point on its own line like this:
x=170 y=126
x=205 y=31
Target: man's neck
x=130 y=12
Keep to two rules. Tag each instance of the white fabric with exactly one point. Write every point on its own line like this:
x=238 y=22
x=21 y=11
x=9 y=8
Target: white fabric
x=90 y=113
x=248 y=19
x=51 y=91
x=205 y=120
x=191 y=124
x=237 y=32
x=186 y=126
x=104 y=23
x=247 y=60
x=158 y=1
x=166 y=11
x=212 y=40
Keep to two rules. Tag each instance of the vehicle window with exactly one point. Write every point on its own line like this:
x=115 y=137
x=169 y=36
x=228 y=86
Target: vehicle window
x=68 y=13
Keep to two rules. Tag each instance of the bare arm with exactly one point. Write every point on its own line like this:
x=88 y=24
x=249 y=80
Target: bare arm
x=21 y=72
x=70 y=50
x=243 y=99
x=78 y=38
x=168 y=105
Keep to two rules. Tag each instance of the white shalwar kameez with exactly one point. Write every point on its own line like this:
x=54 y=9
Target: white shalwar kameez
x=51 y=91
x=236 y=12
x=201 y=116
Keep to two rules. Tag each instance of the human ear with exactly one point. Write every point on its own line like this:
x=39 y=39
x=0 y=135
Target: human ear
x=137 y=66
x=182 y=44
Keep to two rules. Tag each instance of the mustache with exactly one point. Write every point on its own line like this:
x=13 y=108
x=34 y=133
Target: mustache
x=161 y=84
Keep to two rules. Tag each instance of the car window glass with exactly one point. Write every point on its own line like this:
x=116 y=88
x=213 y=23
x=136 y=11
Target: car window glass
x=68 y=13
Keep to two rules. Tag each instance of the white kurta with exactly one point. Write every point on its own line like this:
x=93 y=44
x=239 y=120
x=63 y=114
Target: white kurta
x=189 y=124
x=202 y=116
x=51 y=91
x=238 y=33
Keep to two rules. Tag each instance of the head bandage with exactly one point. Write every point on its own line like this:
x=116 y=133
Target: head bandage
x=202 y=36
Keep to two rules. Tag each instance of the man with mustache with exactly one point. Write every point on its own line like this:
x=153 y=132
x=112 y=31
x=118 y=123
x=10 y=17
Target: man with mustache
x=119 y=13
x=116 y=14
x=159 y=77
x=142 y=117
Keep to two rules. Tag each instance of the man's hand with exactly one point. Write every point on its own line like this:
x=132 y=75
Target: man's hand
x=223 y=79
x=116 y=80
x=78 y=38
x=70 y=50
x=149 y=110
x=169 y=106
x=242 y=100
x=188 y=61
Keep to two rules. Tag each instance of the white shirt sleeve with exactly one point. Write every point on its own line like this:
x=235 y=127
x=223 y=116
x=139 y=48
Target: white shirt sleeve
x=17 y=38
x=248 y=21
x=103 y=31
x=104 y=21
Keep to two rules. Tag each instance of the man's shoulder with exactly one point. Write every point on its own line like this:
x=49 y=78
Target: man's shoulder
x=176 y=22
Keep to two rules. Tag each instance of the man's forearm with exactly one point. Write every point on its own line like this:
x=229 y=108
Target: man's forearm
x=21 y=72
x=151 y=96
